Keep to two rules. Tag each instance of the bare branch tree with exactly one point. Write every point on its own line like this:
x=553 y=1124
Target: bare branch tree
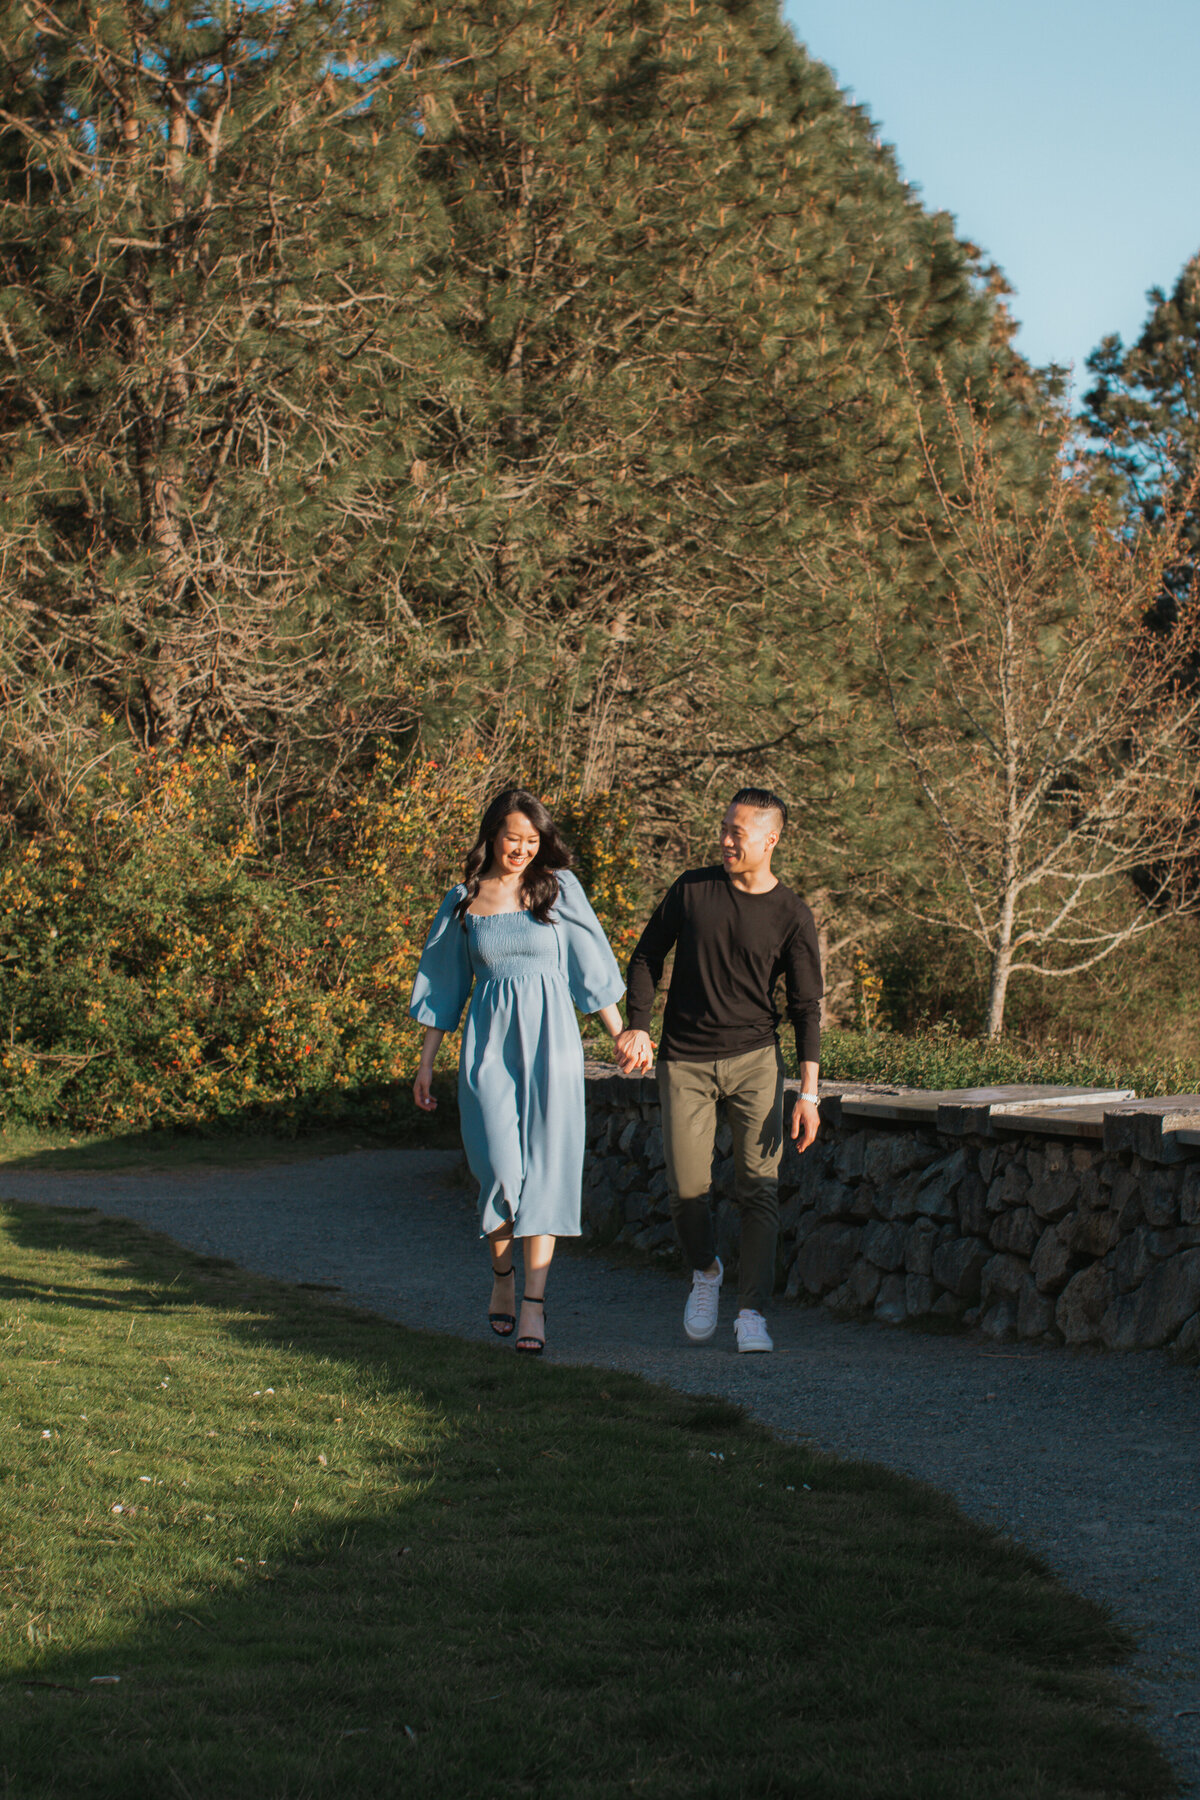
x=1049 y=720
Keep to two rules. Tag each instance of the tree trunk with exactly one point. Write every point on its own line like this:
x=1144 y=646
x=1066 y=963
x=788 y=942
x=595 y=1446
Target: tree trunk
x=998 y=990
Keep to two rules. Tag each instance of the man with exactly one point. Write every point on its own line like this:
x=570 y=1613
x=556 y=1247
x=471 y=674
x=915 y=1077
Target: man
x=735 y=929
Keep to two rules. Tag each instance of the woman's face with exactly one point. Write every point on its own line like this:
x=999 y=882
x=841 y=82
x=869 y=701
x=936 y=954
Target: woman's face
x=516 y=844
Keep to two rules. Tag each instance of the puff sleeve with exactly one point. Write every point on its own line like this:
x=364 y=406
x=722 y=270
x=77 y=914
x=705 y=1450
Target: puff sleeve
x=444 y=975
x=589 y=965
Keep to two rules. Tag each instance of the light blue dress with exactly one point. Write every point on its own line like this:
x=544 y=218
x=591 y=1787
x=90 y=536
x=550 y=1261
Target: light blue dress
x=520 y=1073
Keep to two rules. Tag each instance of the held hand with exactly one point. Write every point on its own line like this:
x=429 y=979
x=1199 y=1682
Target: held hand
x=423 y=1090
x=805 y=1120
x=635 y=1052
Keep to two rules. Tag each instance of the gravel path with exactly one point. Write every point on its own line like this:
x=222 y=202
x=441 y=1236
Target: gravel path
x=1092 y=1459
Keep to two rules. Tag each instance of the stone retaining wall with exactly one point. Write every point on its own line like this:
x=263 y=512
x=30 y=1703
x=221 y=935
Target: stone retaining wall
x=1063 y=1214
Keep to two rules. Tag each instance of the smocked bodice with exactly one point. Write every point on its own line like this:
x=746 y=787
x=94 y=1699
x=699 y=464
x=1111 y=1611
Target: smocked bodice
x=511 y=954
x=507 y=946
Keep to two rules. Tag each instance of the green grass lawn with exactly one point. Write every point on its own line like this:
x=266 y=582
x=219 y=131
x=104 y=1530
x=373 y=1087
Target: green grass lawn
x=940 y=1058
x=327 y=1556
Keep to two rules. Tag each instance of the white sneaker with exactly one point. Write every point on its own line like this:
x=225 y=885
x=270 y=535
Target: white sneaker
x=752 y=1333
x=700 y=1313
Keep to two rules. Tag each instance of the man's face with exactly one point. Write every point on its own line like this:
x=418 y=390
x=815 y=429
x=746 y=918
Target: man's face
x=747 y=839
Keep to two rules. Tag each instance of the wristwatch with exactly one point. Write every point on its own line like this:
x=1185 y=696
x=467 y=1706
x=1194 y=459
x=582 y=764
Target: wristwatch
x=815 y=1098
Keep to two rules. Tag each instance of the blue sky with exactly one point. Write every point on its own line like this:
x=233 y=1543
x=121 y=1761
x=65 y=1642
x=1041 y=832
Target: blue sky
x=1064 y=135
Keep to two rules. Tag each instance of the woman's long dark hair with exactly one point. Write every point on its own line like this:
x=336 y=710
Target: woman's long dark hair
x=539 y=883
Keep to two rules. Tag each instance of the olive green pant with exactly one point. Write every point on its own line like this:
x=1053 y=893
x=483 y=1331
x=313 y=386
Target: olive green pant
x=751 y=1086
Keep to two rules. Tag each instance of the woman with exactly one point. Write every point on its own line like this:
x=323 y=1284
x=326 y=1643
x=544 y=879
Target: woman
x=520 y=928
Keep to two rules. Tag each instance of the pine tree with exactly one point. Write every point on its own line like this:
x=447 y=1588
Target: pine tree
x=678 y=263
x=502 y=369
x=207 y=376
x=1146 y=405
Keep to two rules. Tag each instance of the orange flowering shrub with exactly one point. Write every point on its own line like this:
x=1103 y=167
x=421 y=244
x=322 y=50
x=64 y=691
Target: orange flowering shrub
x=157 y=968
x=600 y=831
x=408 y=835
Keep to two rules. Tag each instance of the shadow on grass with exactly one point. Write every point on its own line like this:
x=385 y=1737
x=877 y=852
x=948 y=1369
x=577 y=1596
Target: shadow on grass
x=259 y=1134
x=352 y=1559
x=63 y=1294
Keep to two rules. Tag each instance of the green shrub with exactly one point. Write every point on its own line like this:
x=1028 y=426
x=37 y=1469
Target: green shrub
x=157 y=968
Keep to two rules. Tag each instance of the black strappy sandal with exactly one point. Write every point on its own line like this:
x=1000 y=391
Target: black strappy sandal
x=531 y=1346
x=503 y=1324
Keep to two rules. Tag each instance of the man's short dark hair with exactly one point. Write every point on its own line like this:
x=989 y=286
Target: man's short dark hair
x=762 y=800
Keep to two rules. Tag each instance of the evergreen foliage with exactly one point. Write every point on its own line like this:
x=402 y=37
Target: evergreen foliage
x=517 y=389
x=681 y=265
x=491 y=370
x=1146 y=405
x=209 y=335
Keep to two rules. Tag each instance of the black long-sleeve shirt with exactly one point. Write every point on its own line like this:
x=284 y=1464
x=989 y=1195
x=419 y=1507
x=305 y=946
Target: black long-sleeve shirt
x=730 y=950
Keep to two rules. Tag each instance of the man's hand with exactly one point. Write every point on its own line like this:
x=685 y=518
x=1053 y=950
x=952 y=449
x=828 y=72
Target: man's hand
x=805 y=1120
x=635 y=1052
